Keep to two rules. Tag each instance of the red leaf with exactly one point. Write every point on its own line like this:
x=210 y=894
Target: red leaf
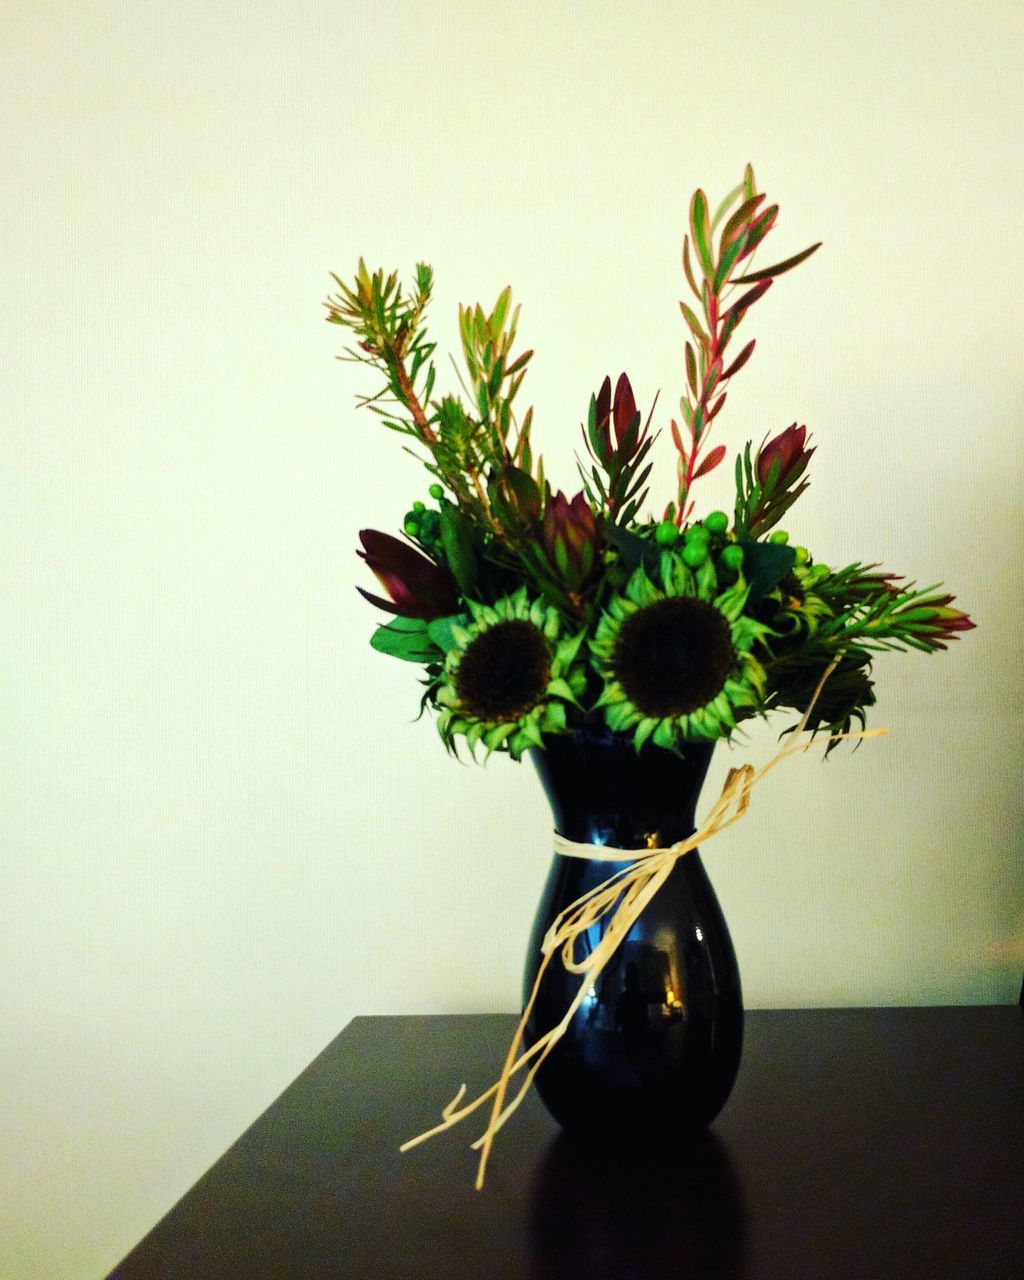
x=738 y=222
x=749 y=298
x=741 y=359
x=711 y=461
x=768 y=272
x=676 y=436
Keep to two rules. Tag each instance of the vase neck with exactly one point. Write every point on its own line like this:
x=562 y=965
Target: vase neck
x=602 y=791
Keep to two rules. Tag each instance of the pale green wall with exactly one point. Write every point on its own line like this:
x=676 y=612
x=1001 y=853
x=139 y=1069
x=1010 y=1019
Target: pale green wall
x=221 y=835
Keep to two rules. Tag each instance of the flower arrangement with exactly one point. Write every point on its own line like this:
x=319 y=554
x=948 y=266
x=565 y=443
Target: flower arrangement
x=532 y=613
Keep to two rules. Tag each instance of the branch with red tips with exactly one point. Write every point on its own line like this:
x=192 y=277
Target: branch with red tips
x=706 y=369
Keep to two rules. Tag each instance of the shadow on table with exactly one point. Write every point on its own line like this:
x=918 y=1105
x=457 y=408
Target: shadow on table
x=607 y=1213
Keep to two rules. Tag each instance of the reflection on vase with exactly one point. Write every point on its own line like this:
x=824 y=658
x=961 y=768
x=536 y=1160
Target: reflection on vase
x=678 y=1216
x=655 y=1046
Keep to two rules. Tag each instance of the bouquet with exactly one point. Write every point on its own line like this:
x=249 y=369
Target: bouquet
x=532 y=613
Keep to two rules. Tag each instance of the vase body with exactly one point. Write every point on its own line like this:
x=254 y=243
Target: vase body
x=652 y=1053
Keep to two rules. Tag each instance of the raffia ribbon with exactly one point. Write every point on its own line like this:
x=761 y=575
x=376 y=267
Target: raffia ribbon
x=622 y=897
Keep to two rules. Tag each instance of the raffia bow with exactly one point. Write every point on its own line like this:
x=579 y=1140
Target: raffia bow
x=621 y=899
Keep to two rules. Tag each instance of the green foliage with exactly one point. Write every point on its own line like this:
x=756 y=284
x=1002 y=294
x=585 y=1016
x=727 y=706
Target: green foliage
x=405 y=638
x=615 y=484
x=765 y=564
x=499 y=544
x=844 y=699
x=459 y=548
x=761 y=504
x=464 y=446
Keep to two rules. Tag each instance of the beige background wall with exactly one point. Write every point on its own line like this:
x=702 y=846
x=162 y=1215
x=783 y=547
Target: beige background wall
x=222 y=836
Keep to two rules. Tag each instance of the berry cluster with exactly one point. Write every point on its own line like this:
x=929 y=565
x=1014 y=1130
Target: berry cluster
x=423 y=524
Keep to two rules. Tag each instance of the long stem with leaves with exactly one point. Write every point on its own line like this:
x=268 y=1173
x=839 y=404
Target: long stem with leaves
x=706 y=369
x=467 y=454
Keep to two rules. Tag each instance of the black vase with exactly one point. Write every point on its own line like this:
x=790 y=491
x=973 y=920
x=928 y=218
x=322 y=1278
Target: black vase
x=652 y=1053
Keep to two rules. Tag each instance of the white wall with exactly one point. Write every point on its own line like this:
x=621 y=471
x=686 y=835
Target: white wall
x=221 y=835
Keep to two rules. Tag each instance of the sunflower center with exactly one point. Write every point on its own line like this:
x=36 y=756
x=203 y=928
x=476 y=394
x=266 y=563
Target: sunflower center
x=504 y=672
x=673 y=656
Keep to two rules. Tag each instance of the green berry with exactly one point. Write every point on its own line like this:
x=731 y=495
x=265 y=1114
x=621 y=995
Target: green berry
x=436 y=491
x=412 y=528
x=802 y=555
x=695 y=553
x=697 y=533
x=419 y=506
x=732 y=556
x=716 y=522
x=666 y=534
x=780 y=537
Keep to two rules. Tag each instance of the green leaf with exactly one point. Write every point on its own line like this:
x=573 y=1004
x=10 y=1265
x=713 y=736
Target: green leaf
x=691 y=369
x=687 y=268
x=635 y=551
x=764 y=272
x=500 y=308
x=726 y=205
x=693 y=322
x=759 y=228
x=458 y=546
x=727 y=262
x=749 y=186
x=765 y=564
x=710 y=302
x=700 y=226
x=405 y=638
x=440 y=630
x=520 y=490
x=738 y=221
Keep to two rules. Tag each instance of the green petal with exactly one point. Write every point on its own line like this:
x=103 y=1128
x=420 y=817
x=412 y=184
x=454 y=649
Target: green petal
x=529 y=733
x=641 y=590
x=560 y=688
x=707 y=580
x=569 y=648
x=553 y=720
x=496 y=735
x=620 y=716
x=731 y=603
x=610 y=695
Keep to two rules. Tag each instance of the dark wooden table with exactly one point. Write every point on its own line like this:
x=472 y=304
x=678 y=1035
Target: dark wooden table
x=861 y=1143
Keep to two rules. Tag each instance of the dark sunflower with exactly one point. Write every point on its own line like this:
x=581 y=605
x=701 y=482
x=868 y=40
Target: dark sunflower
x=508 y=676
x=676 y=656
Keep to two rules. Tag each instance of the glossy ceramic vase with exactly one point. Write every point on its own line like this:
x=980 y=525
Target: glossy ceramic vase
x=652 y=1053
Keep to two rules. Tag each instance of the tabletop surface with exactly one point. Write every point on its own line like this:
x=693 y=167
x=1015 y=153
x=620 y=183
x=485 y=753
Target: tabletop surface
x=861 y=1143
